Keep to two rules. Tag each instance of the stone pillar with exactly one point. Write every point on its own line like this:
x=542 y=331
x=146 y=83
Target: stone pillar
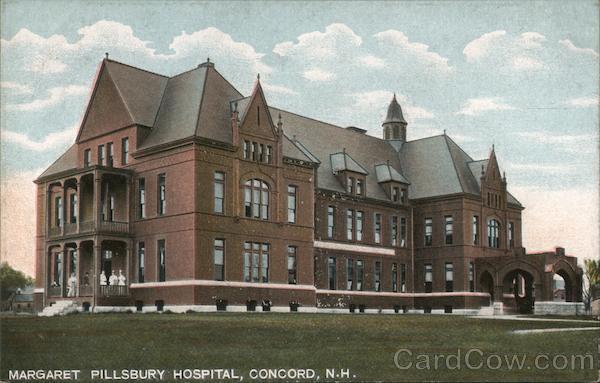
x=63 y=286
x=78 y=250
x=128 y=260
x=128 y=200
x=97 y=198
x=64 y=211
x=78 y=207
x=48 y=210
x=96 y=277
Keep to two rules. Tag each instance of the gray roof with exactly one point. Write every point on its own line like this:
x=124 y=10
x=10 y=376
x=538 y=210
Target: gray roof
x=65 y=162
x=342 y=162
x=394 y=112
x=140 y=90
x=199 y=103
x=386 y=173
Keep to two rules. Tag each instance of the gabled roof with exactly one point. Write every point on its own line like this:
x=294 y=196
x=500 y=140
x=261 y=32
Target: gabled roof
x=386 y=173
x=342 y=161
x=65 y=162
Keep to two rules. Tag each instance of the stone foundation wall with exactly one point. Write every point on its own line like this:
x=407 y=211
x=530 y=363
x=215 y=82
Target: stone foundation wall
x=559 y=308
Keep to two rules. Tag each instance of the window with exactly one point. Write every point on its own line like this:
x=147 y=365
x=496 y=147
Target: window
x=402 y=231
x=359 y=225
x=73 y=208
x=219 y=259
x=331 y=268
x=292 y=204
x=142 y=198
x=471 y=277
x=350 y=185
x=291 y=265
x=261 y=153
x=162 y=270
x=125 y=151
x=449 y=277
x=110 y=213
x=350 y=274
x=359 y=187
x=350 y=224
x=247 y=150
x=511 y=235
x=428 y=278
x=360 y=272
x=428 y=231
x=475 y=230
x=58 y=212
x=330 y=221
x=141 y=261
x=449 y=221
x=269 y=154
x=101 y=155
x=162 y=194
x=111 y=153
x=377 y=276
x=377 y=228
x=402 y=278
x=493 y=233
x=58 y=269
x=256 y=262
x=395 y=194
x=403 y=196
x=255 y=151
x=394 y=235
x=256 y=199
x=219 y=192
x=395 y=277
x=87 y=158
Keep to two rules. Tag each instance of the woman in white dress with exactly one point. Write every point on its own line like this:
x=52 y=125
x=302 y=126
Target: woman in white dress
x=72 y=285
x=102 y=278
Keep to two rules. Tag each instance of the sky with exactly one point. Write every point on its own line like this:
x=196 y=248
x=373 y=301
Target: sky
x=522 y=76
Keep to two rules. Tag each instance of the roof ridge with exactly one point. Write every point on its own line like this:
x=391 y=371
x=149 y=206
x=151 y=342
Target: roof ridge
x=137 y=68
x=120 y=95
x=204 y=86
x=460 y=182
x=458 y=146
x=424 y=138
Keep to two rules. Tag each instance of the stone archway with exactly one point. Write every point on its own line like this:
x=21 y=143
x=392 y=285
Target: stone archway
x=518 y=291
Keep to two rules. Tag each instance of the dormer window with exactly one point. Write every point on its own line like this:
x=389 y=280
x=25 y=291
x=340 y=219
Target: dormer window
x=258 y=152
x=395 y=194
x=350 y=185
x=359 y=187
x=403 y=194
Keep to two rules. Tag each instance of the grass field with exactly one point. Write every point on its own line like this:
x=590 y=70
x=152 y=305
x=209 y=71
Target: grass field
x=365 y=344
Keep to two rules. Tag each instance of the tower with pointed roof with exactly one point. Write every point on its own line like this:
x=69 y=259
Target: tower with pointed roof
x=394 y=125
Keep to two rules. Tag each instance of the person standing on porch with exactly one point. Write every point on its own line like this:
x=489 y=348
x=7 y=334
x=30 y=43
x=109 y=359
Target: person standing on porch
x=122 y=279
x=102 y=278
x=72 y=285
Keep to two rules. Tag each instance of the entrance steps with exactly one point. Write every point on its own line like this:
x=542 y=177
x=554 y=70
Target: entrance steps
x=59 y=308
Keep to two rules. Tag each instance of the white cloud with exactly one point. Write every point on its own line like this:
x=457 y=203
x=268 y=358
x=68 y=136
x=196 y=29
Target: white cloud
x=538 y=168
x=55 y=96
x=530 y=40
x=51 y=141
x=279 y=89
x=555 y=208
x=584 y=102
x=317 y=74
x=418 y=51
x=481 y=46
x=319 y=45
x=372 y=61
x=527 y=63
x=16 y=87
x=46 y=65
x=549 y=138
x=570 y=46
x=477 y=106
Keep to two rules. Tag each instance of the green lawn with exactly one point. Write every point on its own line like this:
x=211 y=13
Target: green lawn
x=365 y=344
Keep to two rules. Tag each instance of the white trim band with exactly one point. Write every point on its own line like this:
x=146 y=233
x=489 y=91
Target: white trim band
x=403 y=295
x=355 y=248
x=38 y=290
x=208 y=283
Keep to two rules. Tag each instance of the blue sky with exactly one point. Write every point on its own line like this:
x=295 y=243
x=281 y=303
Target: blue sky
x=520 y=75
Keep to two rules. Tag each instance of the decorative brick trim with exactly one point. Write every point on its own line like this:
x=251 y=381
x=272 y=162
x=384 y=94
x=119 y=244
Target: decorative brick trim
x=355 y=248
x=203 y=282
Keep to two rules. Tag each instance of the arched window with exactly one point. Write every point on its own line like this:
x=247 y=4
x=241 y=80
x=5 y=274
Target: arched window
x=493 y=233
x=256 y=199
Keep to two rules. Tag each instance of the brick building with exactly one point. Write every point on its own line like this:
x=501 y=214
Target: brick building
x=180 y=191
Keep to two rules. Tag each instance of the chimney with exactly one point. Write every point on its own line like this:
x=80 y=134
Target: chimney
x=560 y=251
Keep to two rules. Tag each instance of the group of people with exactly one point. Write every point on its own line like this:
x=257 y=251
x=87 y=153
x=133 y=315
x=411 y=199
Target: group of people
x=113 y=280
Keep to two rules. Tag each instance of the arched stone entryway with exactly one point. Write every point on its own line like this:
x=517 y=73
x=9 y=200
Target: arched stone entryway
x=518 y=291
x=486 y=284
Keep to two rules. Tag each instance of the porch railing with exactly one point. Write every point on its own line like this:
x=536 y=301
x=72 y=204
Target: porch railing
x=114 y=291
x=86 y=226
x=70 y=228
x=55 y=291
x=114 y=227
x=54 y=231
x=86 y=291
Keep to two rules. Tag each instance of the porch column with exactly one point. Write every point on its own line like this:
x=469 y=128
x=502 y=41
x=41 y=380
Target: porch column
x=48 y=210
x=128 y=261
x=64 y=210
x=78 y=209
x=96 y=278
x=128 y=200
x=97 y=198
x=63 y=286
x=78 y=250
